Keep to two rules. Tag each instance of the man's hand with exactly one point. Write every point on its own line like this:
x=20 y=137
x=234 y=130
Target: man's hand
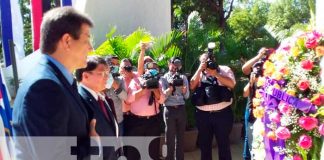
x=184 y=89
x=262 y=52
x=144 y=46
x=115 y=85
x=202 y=66
x=93 y=132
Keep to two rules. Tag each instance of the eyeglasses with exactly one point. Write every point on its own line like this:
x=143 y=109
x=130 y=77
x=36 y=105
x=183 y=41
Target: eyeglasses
x=100 y=73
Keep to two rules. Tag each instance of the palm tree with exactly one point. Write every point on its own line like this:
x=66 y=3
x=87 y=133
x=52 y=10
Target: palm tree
x=164 y=46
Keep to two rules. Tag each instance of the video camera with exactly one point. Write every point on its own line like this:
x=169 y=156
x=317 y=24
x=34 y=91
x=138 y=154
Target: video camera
x=211 y=62
x=151 y=79
x=176 y=80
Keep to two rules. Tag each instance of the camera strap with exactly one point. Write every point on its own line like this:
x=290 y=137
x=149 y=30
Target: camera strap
x=152 y=100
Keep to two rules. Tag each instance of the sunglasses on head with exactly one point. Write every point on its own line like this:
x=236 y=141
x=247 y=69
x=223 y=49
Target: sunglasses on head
x=128 y=68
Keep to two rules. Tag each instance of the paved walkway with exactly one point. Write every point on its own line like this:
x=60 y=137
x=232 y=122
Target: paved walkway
x=236 y=149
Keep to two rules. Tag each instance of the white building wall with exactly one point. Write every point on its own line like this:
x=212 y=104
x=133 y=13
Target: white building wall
x=320 y=15
x=127 y=16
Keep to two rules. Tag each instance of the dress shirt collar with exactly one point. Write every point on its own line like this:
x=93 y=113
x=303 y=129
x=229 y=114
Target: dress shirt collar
x=95 y=94
x=62 y=68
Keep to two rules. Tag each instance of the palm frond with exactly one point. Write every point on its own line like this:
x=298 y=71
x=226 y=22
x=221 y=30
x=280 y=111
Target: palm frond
x=171 y=51
x=104 y=49
x=119 y=47
x=166 y=42
x=133 y=41
x=111 y=32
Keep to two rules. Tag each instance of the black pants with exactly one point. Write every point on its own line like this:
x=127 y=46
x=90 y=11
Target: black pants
x=218 y=123
x=145 y=127
x=175 y=125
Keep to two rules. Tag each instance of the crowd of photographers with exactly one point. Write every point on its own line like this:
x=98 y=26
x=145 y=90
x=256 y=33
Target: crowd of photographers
x=144 y=98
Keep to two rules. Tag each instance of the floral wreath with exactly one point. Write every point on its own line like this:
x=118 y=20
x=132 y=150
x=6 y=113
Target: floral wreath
x=289 y=105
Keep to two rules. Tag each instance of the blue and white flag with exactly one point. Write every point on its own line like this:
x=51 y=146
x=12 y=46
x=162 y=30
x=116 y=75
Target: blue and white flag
x=66 y=2
x=5 y=123
x=12 y=29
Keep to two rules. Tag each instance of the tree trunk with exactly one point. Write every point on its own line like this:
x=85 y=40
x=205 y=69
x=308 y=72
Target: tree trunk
x=222 y=25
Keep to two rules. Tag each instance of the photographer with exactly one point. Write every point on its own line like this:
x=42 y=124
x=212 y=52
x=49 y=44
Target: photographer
x=212 y=85
x=176 y=89
x=253 y=68
x=263 y=53
x=145 y=96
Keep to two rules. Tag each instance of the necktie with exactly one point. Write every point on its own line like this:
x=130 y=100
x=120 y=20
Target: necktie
x=103 y=108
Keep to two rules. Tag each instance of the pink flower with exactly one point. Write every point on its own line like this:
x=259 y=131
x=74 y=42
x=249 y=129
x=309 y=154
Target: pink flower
x=321 y=129
x=274 y=117
x=303 y=85
x=297 y=157
x=305 y=141
x=308 y=123
x=284 y=108
x=286 y=48
x=311 y=39
x=316 y=34
x=283 y=133
x=307 y=64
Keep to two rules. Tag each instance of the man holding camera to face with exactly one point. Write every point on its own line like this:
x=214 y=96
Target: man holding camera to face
x=176 y=89
x=212 y=85
x=253 y=68
x=145 y=96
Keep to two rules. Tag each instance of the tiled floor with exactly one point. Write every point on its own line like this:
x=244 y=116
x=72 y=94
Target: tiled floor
x=236 y=150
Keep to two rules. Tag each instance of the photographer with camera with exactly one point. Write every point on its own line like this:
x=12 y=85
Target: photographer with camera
x=262 y=54
x=176 y=89
x=253 y=68
x=212 y=85
x=145 y=96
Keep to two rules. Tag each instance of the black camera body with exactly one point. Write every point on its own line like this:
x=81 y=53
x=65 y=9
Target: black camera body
x=212 y=64
x=150 y=81
x=176 y=80
x=211 y=61
x=257 y=68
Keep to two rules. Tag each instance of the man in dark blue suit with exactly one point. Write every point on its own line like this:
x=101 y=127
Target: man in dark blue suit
x=47 y=102
x=93 y=79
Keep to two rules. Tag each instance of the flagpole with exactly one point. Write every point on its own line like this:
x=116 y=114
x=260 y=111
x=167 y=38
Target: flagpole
x=14 y=66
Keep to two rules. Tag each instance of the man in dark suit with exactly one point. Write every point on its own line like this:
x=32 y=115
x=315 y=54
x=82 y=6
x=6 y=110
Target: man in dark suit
x=47 y=102
x=93 y=80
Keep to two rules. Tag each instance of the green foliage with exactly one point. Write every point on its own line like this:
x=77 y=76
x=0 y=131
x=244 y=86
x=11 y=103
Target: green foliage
x=197 y=37
x=26 y=16
x=283 y=16
x=123 y=47
x=246 y=30
x=164 y=47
